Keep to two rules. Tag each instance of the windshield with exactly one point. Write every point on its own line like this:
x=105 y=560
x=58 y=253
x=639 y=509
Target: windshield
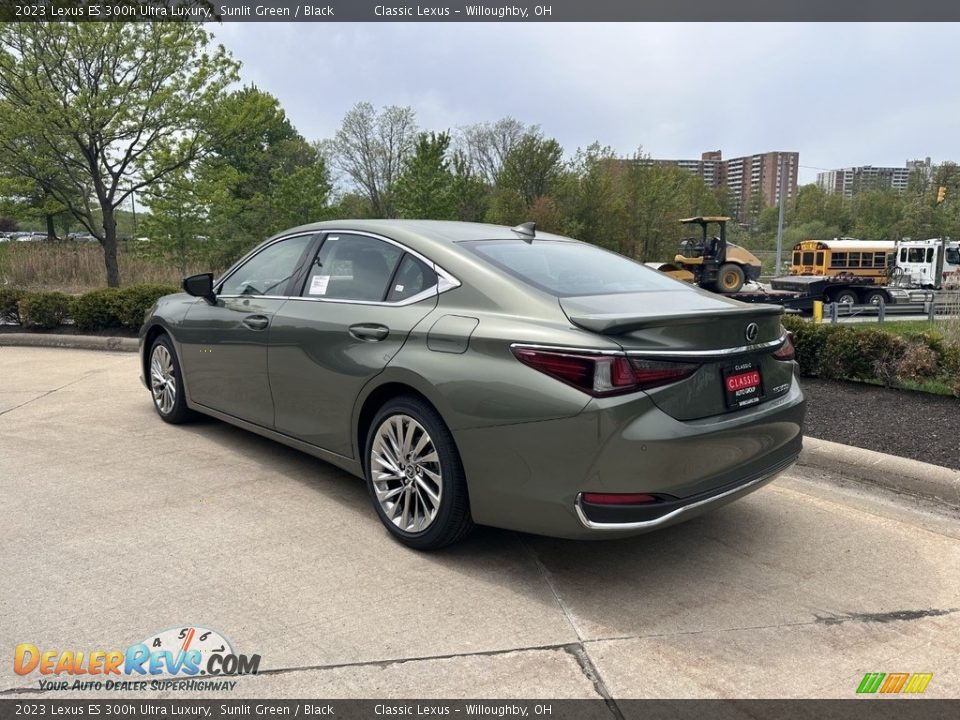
x=566 y=268
x=953 y=256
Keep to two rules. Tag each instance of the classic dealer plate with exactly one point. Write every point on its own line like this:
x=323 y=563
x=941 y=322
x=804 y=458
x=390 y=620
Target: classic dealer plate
x=742 y=384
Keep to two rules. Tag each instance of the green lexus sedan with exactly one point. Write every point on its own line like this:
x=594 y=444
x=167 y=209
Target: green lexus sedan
x=482 y=374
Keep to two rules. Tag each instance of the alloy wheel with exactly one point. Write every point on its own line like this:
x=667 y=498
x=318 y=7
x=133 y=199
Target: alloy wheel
x=406 y=473
x=163 y=381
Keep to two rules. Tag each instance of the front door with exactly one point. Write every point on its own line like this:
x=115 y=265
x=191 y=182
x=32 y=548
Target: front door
x=224 y=344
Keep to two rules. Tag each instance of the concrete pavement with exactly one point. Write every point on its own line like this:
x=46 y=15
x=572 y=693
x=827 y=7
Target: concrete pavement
x=114 y=525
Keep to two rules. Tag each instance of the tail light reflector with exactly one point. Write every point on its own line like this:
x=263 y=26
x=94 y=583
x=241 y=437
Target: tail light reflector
x=604 y=375
x=786 y=351
x=617 y=498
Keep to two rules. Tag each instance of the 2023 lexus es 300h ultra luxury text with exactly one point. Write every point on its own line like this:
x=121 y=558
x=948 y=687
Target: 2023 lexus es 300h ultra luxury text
x=481 y=374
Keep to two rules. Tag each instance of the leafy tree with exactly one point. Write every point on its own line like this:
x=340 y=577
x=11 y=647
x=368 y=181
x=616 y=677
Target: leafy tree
x=112 y=107
x=471 y=195
x=532 y=167
x=487 y=145
x=301 y=196
x=425 y=188
x=371 y=149
x=275 y=177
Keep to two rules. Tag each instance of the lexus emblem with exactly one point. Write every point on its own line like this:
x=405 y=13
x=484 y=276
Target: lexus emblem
x=752 y=331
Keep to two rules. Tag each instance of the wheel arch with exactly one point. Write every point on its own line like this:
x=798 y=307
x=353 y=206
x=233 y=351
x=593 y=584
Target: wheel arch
x=375 y=395
x=150 y=337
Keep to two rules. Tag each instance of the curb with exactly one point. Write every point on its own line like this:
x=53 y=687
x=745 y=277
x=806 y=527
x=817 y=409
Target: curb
x=76 y=342
x=890 y=472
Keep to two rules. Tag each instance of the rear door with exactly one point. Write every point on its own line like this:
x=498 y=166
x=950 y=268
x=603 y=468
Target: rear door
x=359 y=301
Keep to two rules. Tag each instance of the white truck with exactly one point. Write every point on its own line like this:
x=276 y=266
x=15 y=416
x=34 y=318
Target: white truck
x=929 y=264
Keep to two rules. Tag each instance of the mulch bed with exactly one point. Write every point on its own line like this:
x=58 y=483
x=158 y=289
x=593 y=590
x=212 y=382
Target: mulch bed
x=914 y=425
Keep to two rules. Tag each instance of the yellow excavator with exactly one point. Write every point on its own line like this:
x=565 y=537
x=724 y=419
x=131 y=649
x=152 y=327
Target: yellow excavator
x=710 y=260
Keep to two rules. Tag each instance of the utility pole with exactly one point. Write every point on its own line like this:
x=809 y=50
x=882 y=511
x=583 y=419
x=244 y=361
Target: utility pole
x=783 y=204
x=133 y=204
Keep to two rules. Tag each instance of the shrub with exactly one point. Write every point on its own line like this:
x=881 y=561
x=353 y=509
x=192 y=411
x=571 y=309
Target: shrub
x=44 y=310
x=918 y=362
x=809 y=340
x=9 y=297
x=97 y=310
x=134 y=301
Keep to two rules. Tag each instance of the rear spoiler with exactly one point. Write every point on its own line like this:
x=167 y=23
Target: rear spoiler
x=610 y=324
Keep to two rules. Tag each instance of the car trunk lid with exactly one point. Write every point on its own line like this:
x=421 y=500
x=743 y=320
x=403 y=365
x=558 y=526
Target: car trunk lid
x=733 y=343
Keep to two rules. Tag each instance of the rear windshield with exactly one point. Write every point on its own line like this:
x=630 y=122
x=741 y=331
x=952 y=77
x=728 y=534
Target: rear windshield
x=568 y=268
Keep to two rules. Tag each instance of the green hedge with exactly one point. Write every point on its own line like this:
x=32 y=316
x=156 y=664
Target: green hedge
x=9 y=310
x=96 y=310
x=870 y=354
x=44 y=310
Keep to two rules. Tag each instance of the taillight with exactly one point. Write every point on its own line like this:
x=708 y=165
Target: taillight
x=604 y=375
x=786 y=351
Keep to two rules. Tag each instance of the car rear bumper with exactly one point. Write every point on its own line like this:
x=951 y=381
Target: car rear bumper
x=531 y=476
x=668 y=511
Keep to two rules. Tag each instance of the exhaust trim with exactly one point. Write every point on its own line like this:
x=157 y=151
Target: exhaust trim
x=747 y=487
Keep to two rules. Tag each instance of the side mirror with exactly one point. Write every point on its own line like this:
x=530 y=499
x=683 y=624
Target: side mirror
x=200 y=286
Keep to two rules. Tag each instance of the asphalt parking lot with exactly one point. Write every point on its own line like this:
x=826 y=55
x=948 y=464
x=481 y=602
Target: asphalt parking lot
x=114 y=525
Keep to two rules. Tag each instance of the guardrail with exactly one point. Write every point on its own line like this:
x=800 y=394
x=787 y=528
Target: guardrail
x=941 y=305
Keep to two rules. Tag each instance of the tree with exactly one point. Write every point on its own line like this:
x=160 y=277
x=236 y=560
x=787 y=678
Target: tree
x=274 y=177
x=112 y=107
x=425 y=188
x=371 y=148
x=487 y=145
x=531 y=167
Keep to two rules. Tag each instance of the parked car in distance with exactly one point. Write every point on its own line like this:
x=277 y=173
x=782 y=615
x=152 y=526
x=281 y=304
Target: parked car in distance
x=482 y=374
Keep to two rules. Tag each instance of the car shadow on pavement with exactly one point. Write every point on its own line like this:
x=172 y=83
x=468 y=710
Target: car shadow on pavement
x=704 y=551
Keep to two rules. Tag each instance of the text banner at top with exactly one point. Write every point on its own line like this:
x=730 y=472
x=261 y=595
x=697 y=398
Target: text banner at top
x=517 y=11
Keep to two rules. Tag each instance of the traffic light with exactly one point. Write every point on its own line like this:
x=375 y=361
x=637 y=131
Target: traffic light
x=941 y=194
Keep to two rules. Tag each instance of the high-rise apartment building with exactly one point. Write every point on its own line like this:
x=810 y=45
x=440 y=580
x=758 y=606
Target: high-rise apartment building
x=745 y=176
x=850 y=180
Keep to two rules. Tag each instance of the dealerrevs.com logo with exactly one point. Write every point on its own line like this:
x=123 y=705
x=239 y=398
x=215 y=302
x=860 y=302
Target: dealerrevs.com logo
x=173 y=659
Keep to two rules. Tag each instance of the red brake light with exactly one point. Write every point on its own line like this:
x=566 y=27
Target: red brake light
x=786 y=351
x=617 y=498
x=604 y=375
x=653 y=373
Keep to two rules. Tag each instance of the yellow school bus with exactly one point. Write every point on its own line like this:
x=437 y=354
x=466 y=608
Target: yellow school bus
x=843 y=257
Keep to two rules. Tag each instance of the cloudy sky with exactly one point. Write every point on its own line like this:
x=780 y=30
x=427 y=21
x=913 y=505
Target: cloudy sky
x=840 y=94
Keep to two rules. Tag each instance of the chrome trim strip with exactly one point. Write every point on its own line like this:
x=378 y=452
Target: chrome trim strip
x=722 y=352
x=570 y=350
x=651 y=524
x=445 y=280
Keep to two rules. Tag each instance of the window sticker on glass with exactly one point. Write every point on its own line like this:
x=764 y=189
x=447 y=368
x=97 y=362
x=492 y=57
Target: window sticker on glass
x=318 y=284
x=398 y=288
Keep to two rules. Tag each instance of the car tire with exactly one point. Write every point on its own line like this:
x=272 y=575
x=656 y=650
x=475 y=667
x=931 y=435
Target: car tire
x=166 y=383
x=875 y=296
x=845 y=297
x=415 y=477
x=730 y=278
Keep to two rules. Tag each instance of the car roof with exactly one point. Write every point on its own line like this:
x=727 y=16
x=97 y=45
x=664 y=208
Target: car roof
x=447 y=231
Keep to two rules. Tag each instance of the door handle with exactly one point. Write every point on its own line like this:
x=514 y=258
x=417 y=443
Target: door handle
x=256 y=322
x=369 y=333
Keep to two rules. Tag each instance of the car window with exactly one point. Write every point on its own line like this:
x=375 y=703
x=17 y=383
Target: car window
x=269 y=271
x=352 y=267
x=412 y=278
x=566 y=268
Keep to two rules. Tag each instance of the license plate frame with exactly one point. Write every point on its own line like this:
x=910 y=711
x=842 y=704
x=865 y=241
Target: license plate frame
x=745 y=395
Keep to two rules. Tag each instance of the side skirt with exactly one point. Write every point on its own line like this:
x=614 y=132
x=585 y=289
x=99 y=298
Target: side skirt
x=348 y=464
